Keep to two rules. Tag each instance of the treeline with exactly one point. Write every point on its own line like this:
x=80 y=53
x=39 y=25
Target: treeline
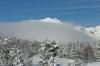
x=17 y=52
x=78 y=51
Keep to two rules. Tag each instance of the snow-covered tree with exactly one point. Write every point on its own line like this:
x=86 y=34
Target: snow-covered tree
x=88 y=54
x=48 y=52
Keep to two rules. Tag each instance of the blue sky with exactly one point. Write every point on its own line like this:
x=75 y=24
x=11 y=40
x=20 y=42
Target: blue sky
x=83 y=12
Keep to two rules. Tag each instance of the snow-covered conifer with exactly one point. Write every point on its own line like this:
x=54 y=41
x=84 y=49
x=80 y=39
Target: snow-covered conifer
x=48 y=53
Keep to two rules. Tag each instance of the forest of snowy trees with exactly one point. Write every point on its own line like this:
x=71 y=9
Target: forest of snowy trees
x=18 y=52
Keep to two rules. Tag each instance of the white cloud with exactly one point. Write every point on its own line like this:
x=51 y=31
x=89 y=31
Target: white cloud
x=41 y=29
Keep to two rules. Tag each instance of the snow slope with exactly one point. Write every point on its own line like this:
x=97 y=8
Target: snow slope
x=93 y=64
x=94 y=31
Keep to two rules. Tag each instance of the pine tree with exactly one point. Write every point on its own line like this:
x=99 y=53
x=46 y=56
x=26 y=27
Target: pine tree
x=48 y=52
x=88 y=54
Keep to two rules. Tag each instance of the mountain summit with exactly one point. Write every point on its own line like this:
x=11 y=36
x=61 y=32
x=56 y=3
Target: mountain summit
x=50 y=20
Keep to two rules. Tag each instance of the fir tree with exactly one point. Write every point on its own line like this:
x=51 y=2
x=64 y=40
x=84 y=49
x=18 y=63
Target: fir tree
x=48 y=51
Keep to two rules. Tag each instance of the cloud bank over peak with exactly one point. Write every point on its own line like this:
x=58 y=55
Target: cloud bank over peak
x=47 y=28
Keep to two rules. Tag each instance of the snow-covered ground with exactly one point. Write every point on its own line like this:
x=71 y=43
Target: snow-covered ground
x=93 y=64
x=36 y=59
x=60 y=61
x=63 y=62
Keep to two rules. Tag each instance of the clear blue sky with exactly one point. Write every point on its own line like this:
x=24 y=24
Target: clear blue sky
x=84 y=12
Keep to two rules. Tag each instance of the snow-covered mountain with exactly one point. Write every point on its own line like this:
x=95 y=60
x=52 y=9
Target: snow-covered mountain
x=42 y=29
x=51 y=20
x=94 y=31
x=91 y=31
